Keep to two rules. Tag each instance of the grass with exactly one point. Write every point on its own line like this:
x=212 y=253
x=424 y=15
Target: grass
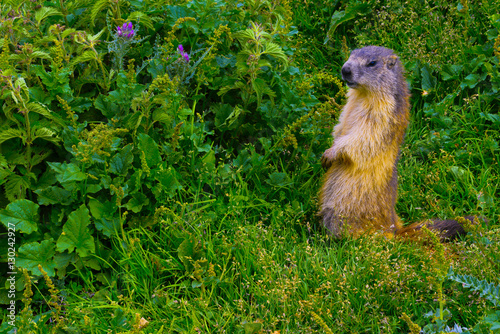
x=218 y=232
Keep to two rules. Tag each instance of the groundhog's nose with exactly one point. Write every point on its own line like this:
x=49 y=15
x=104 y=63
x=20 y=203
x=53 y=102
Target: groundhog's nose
x=346 y=72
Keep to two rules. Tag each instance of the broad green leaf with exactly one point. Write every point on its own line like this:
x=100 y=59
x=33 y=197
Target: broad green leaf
x=122 y=161
x=76 y=234
x=349 y=13
x=150 y=149
x=108 y=226
x=279 y=180
x=450 y=72
x=67 y=172
x=189 y=250
x=252 y=327
x=102 y=209
x=428 y=80
x=21 y=214
x=54 y=195
x=168 y=181
x=33 y=254
x=137 y=201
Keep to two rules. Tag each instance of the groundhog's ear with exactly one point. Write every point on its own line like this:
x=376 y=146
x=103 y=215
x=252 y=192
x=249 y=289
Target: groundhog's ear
x=391 y=61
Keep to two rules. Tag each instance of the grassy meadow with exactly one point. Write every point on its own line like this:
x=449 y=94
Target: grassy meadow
x=160 y=163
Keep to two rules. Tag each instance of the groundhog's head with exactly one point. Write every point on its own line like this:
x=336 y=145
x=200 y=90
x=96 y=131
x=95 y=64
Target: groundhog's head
x=375 y=69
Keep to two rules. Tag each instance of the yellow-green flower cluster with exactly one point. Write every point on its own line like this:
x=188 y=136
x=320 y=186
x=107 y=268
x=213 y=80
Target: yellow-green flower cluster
x=67 y=108
x=96 y=141
x=207 y=70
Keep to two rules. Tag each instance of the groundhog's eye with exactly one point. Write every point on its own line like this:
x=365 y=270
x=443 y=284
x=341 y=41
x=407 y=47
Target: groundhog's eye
x=372 y=63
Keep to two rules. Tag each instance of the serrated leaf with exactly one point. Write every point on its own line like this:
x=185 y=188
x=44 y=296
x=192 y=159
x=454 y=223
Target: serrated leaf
x=45 y=12
x=40 y=55
x=33 y=254
x=84 y=57
x=45 y=134
x=13 y=133
x=15 y=187
x=23 y=214
x=76 y=235
x=141 y=18
x=150 y=148
x=122 y=161
x=275 y=51
x=67 y=172
x=98 y=7
x=261 y=87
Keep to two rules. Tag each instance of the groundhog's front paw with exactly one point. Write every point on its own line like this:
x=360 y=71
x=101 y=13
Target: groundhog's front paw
x=328 y=158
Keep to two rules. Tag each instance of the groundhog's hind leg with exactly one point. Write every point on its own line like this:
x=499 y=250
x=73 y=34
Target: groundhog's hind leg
x=332 y=222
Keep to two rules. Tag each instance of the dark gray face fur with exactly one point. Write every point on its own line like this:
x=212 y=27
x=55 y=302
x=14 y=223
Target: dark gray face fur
x=373 y=68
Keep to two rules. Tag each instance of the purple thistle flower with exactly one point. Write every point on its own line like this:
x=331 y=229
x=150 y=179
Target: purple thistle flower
x=126 y=30
x=184 y=54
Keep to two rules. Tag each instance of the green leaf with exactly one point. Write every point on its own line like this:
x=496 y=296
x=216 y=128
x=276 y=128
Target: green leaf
x=45 y=12
x=261 y=87
x=102 y=209
x=276 y=51
x=122 y=161
x=168 y=181
x=44 y=111
x=99 y=7
x=67 y=172
x=83 y=58
x=279 y=180
x=54 y=195
x=142 y=18
x=349 y=13
x=428 y=80
x=45 y=134
x=15 y=187
x=33 y=254
x=23 y=214
x=13 y=133
x=108 y=226
x=76 y=234
x=450 y=72
x=487 y=290
x=137 y=201
x=150 y=149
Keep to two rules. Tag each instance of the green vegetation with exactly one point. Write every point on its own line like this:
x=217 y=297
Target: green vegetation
x=159 y=163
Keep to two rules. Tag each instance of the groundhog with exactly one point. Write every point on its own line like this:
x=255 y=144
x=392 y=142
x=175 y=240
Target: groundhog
x=359 y=189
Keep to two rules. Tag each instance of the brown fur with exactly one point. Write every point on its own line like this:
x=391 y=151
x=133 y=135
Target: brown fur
x=359 y=189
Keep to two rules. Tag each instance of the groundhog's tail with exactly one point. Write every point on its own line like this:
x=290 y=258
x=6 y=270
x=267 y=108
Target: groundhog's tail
x=445 y=229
